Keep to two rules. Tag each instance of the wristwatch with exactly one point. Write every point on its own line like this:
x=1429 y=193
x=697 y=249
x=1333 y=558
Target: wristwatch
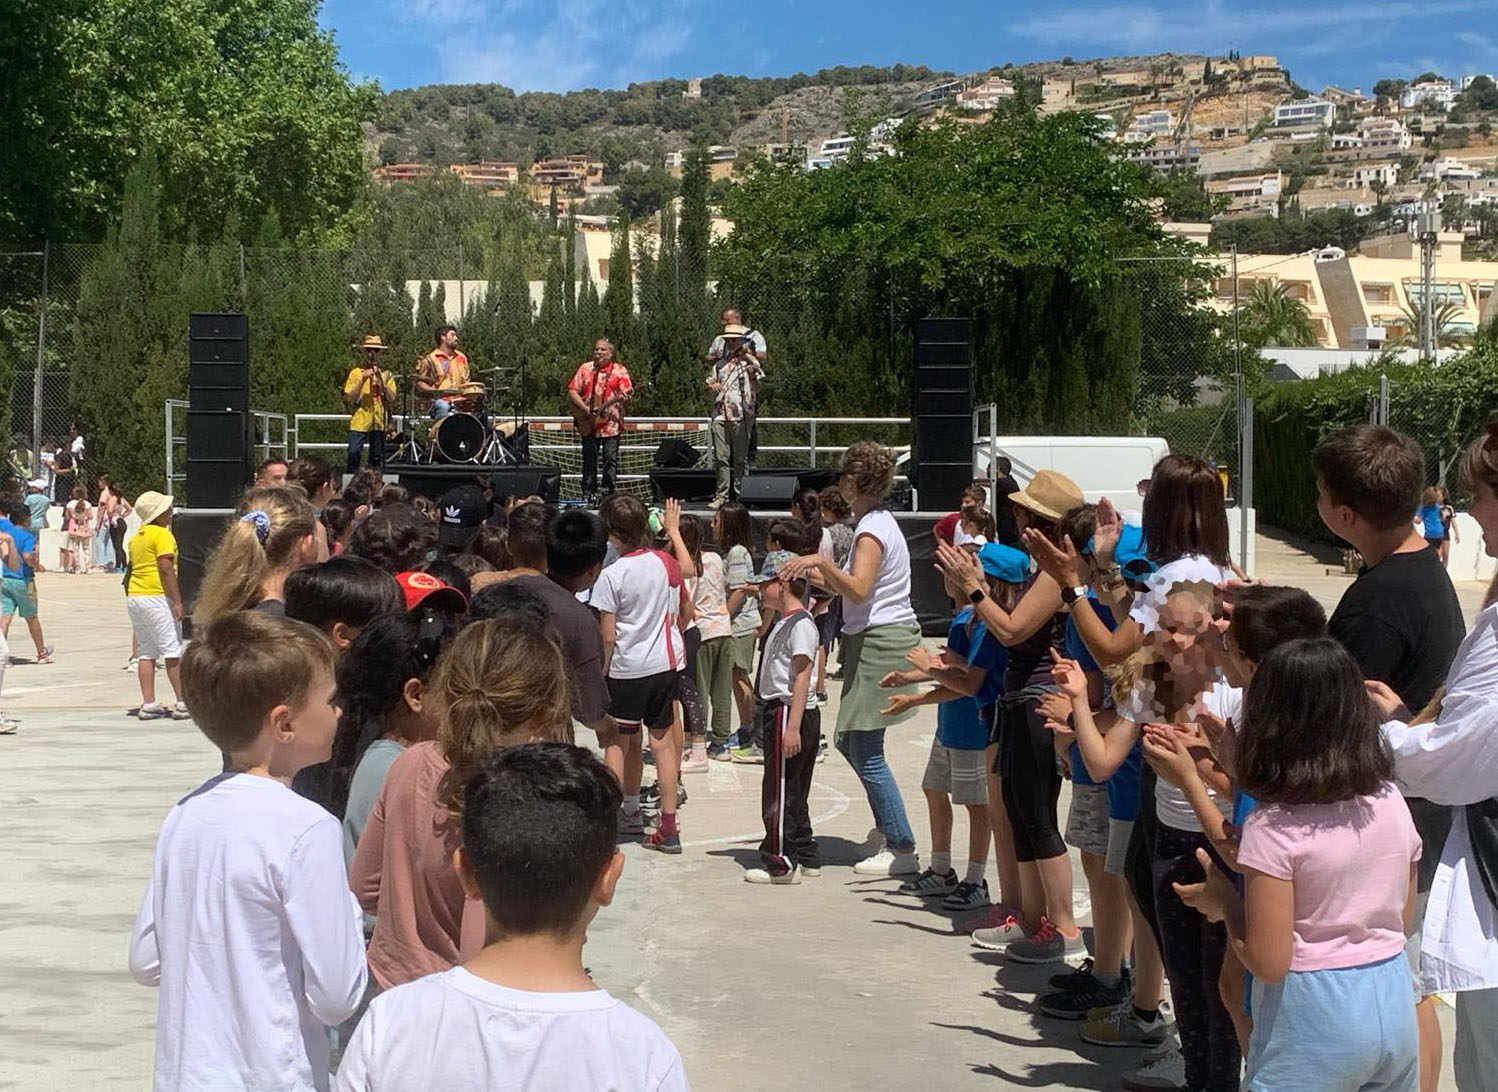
x=1071 y=595
x=976 y=596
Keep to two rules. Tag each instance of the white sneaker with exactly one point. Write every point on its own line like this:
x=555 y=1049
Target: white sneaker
x=1167 y=1073
x=764 y=875
x=887 y=863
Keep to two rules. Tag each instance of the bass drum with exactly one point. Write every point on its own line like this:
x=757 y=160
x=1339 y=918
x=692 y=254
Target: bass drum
x=458 y=438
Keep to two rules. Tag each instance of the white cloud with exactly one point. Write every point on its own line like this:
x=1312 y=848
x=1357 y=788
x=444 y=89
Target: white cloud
x=1217 y=25
x=560 y=46
x=1479 y=42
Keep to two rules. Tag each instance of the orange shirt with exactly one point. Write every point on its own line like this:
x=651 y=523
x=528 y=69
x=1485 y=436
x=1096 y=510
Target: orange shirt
x=596 y=386
x=441 y=370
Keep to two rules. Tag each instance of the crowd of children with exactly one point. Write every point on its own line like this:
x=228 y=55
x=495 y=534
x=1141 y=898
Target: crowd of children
x=408 y=887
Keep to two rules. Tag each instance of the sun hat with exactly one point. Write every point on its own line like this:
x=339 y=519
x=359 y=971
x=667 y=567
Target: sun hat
x=1004 y=562
x=150 y=505
x=461 y=511
x=771 y=568
x=733 y=329
x=372 y=341
x=419 y=588
x=38 y=483
x=1049 y=494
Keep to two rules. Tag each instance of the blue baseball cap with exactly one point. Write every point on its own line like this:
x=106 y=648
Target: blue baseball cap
x=1004 y=562
x=1131 y=555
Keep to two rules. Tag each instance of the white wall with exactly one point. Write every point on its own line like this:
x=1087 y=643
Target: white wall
x=1468 y=559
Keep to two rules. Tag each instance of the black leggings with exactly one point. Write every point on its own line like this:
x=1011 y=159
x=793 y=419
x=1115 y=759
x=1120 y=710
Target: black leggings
x=117 y=536
x=1193 y=949
x=1139 y=865
x=686 y=689
x=1032 y=781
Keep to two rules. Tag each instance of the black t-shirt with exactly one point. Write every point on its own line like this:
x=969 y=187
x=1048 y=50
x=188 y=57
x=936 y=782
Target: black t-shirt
x=1402 y=622
x=581 y=644
x=1006 y=530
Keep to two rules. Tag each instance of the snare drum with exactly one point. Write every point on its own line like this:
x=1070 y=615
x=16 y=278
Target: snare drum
x=458 y=438
x=470 y=398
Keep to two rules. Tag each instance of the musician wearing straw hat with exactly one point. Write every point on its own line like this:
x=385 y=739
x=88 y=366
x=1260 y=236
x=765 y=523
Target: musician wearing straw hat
x=733 y=379
x=369 y=392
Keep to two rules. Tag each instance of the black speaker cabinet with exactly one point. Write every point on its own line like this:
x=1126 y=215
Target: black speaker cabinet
x=942 y=454
x=768 y=490
x=219 y=440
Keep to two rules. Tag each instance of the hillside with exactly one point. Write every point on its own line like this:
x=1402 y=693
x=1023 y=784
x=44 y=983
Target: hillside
x=456 y=123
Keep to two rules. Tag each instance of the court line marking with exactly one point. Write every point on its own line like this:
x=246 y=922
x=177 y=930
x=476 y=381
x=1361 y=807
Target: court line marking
x=840 y=803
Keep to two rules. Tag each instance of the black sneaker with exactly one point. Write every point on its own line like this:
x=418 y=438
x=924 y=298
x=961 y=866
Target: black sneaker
x=651 y=793
x=1075 y=981
x=1077 y=1004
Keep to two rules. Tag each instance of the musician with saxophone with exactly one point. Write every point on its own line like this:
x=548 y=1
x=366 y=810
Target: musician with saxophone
x=733 y=379
x=599 y=391
x=369 y=392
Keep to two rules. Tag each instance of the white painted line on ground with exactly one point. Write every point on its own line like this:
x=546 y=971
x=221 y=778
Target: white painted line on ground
x=722 y=777
x=839 y=805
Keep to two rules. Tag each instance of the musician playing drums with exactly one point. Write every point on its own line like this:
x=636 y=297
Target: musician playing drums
x=599 y=392
x=442 y=375
x=369 y=392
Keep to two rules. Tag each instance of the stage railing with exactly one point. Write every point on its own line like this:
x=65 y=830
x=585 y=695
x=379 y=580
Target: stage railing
x=291 y=435
x=273 y=436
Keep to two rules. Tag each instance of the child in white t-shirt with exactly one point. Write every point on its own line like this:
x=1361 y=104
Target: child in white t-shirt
x=790 y=725
x=248 y=926
x=639 y=602
x=540 y=823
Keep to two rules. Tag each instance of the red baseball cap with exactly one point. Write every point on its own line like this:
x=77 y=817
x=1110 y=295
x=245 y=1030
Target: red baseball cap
x=419 y=588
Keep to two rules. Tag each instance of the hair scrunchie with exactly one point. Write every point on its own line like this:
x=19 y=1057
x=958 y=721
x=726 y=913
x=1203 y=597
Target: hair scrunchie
x=261 y=521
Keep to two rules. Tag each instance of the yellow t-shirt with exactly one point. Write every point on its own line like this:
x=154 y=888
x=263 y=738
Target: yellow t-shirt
x=370 y=414
x=149 y=543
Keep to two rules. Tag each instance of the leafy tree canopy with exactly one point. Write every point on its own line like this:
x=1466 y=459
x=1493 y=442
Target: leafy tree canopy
x=245 y=102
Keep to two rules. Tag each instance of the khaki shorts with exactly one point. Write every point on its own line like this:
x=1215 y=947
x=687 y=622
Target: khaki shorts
x=1087 y=823
x=962 y=775
x=743 y=652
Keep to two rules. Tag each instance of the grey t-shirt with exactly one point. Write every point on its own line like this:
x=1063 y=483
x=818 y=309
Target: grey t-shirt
x=364 y=790
x=581 y=644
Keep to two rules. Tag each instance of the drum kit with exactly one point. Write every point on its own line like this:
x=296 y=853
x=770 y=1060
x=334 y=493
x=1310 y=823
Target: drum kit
x=468 y=433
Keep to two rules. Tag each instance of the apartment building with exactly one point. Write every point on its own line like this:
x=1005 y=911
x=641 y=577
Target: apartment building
x=1369 y=174
x=1447 y=169
x=1305 y=113
x=1428 y=95
x=986 y=95
x=566 y=172
x=403 y=172
x=1371 y=289
x=1385 y=134
x=486 y=175
x=1166 y=157
x=1147 y=126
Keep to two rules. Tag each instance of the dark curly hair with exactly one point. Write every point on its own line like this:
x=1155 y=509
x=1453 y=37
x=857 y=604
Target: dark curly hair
x=396 y=538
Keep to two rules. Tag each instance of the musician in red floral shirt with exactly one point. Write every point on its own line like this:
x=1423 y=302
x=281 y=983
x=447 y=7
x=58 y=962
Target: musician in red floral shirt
x=599 y=392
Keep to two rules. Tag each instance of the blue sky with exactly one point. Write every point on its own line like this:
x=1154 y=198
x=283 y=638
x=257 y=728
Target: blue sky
x=561 y=45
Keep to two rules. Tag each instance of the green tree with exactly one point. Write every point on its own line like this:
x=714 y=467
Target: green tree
x=642 y=193
x=245 y=100
x=619 y=300
x=1444 y=325
x=694 y=229
x=1269 y=315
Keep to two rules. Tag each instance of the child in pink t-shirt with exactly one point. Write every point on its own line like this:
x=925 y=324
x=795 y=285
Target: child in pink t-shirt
x=1328 y=862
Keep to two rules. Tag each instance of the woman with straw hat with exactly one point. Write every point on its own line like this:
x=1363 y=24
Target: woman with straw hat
x=879 y=629
x=1029 y=781
x=369 y=392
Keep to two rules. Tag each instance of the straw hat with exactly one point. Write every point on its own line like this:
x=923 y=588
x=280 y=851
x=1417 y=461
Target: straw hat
x=1050 y=495
x=733 y=329
x=150 y=505
x=372 y=341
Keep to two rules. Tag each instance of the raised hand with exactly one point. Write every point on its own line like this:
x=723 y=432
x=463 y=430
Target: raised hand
x=1168 y=753
x=671 y=517
x=1057 y=562
x=1068 y=676
x=960 y=566
x=1105 y=533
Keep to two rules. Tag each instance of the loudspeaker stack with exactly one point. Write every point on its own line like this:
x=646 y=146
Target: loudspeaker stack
x=942 y=456
x=219 y=426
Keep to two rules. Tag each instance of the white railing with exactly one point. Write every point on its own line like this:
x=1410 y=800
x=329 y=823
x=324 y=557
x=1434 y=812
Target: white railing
x=268 y=427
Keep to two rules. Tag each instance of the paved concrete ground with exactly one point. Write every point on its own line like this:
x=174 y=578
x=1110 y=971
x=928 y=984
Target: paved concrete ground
x=836 y=984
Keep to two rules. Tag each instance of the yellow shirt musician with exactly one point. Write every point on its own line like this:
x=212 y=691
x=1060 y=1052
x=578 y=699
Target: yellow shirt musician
x=369 y=392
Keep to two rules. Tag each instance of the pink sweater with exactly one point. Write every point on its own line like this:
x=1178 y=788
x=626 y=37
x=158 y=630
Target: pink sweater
x=403 y=874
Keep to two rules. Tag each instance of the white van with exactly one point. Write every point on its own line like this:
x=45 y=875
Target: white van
x=1102 y=466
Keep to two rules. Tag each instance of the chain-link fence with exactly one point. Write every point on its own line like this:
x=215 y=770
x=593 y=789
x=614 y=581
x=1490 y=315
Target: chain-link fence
x=96 y=336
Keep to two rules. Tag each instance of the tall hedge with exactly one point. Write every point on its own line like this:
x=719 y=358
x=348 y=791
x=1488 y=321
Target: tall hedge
x=1442 y=406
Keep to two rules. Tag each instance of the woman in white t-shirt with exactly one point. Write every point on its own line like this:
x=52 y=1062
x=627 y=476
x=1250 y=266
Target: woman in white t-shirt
x=879 y=628
x=1186 y=539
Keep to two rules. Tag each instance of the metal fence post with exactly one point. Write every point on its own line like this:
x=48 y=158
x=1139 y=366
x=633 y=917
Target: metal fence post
x=1245 y=481
x=41 y=361
x=811 y=443
x=1383 y=400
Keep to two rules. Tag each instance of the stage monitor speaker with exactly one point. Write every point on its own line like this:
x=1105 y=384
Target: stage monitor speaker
x=197 y=531
x=527 y=481
x=675 y=453
x=691 y=484
x=219 y=439
x=768 y=490
x=942 y=454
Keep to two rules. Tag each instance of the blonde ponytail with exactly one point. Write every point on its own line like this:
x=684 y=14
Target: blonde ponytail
x=498 y=685
x=270 y=533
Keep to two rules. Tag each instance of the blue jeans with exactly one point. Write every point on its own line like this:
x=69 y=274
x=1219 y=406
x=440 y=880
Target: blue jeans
x=441 y=407
x=865 y=753
x=356 y=442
